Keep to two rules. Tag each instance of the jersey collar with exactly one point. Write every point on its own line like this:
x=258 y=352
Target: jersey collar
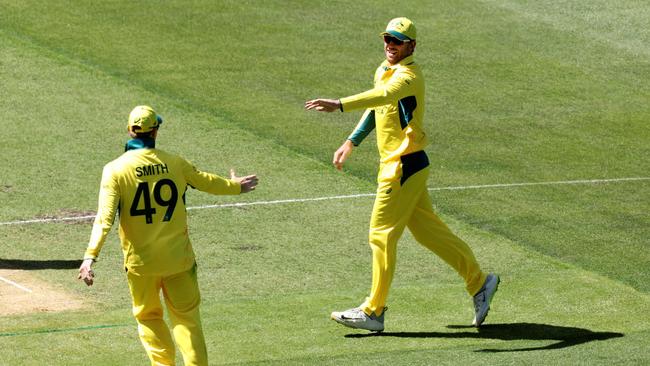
x=409 y=60
x=140 y=143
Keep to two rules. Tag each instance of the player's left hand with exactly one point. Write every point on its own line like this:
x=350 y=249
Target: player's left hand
x=341 y=155
x=86 y=272
x=323 y=105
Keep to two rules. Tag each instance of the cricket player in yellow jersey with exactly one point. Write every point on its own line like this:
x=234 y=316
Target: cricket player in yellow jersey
x=395 y=109
x=147 y=186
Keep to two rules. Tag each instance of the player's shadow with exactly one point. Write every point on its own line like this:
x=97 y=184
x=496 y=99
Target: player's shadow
x=29 y=265
x=564 y=336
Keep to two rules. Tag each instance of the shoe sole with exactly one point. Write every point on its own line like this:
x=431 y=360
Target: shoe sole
x=496 y=288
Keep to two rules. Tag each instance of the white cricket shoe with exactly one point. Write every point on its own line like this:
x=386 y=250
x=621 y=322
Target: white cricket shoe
x=483 y=298
x=356 y=318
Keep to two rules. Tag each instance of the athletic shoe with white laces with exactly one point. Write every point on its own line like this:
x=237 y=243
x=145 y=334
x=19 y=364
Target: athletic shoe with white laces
x=356 y=318
x=483 y=298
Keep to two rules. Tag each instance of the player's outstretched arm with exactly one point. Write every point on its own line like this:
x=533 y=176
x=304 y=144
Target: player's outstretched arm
x=248 y=183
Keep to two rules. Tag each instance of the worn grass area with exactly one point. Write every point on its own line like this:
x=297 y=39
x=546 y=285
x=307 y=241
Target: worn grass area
x=518 y=91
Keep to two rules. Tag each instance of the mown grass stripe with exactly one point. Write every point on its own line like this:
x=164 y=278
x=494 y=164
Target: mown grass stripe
x=60 y=330
x=328 y=198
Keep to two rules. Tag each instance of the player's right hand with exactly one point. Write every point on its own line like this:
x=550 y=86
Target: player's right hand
x=323 y=105
x=248 y=183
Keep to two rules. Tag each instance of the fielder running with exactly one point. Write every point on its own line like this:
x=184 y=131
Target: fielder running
x=147 y=186
x=395 y=109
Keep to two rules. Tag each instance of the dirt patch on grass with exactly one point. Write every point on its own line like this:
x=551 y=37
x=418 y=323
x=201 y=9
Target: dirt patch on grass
x=22 y=293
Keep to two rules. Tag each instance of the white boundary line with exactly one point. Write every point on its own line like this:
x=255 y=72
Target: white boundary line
x=565 y=182
x=277 y=202
x=15 y=284
x=41 y=221
x=328 y=198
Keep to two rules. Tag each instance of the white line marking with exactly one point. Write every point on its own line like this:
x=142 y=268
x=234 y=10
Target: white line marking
x=508 y=185
x=327 y=198
x=15 y=284
x=295 y=200
x=40 y=221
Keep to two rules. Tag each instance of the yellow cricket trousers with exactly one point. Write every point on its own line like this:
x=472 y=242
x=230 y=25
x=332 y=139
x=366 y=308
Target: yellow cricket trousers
x=406 y=203
x=182 y=298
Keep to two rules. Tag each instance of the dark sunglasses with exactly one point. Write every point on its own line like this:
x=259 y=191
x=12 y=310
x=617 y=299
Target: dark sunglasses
x=393 y=40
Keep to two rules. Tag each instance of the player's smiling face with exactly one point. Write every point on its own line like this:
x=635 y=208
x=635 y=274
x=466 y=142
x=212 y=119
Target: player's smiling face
x=396 y=50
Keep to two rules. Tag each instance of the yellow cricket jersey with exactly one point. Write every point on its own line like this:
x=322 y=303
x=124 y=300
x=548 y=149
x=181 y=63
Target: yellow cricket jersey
x=147 y=186
x=395 y=107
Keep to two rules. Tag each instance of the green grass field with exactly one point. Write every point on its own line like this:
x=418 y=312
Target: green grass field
x=518 y=92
